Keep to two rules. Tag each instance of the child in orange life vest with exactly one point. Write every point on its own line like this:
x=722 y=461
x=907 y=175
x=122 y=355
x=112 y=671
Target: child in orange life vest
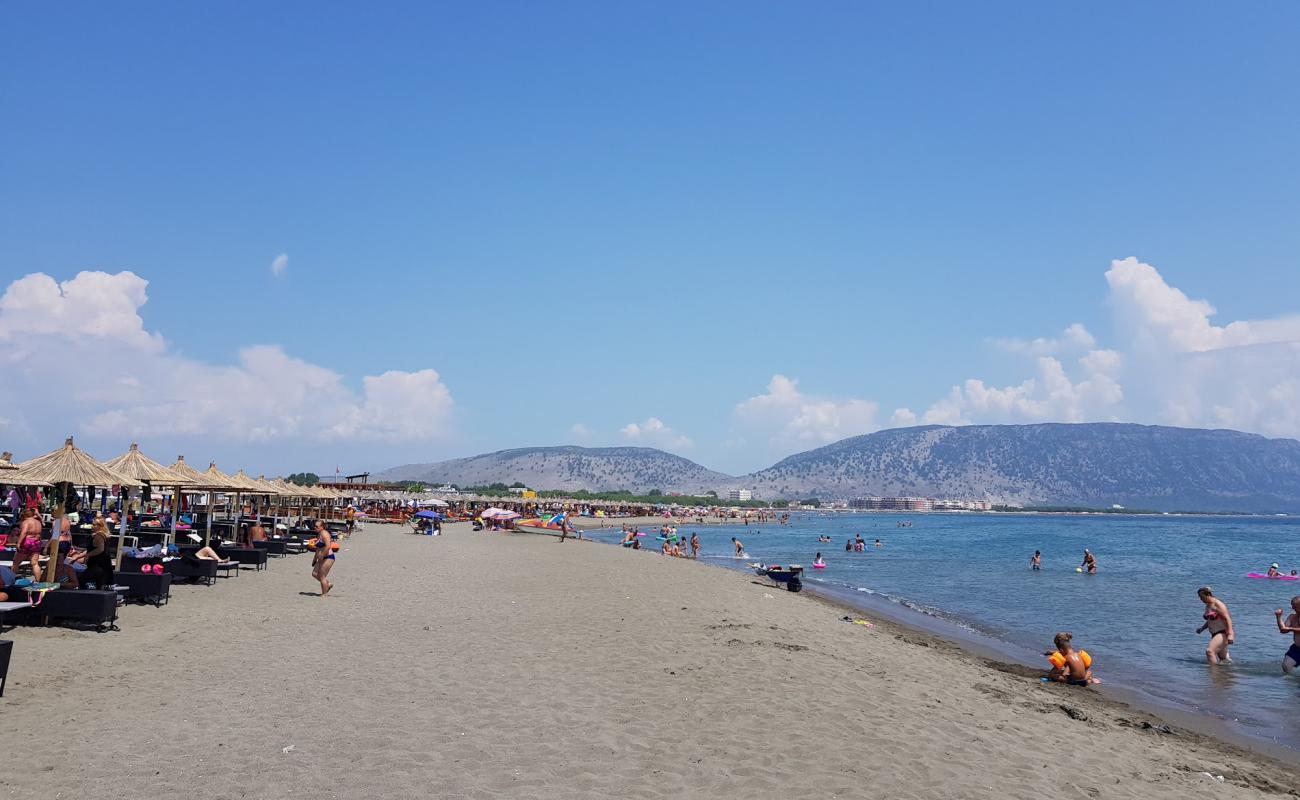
x=1069 y=665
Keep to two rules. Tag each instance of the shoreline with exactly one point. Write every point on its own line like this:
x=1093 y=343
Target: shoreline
x=1001 y=656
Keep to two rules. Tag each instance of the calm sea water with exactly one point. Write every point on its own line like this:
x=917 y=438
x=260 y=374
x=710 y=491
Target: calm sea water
x=1137 y=616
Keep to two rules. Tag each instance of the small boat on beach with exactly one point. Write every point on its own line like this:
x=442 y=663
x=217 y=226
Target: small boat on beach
x=791 y=577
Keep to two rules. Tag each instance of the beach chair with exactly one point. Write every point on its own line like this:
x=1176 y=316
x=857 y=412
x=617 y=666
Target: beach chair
x=244 y=556
x=90 y=606
x=6 y=650
x=146 y=587
x=196 y=570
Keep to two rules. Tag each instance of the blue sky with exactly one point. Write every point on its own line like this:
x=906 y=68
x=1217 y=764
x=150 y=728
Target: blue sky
x=604 y=215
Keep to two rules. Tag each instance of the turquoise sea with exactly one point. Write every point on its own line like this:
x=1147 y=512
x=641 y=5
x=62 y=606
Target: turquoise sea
x=1137 y=616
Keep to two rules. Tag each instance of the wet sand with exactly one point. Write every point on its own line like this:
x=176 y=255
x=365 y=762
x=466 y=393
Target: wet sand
x=488 y=665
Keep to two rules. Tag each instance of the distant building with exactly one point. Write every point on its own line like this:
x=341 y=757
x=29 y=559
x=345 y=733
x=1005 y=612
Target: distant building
x=740 y=494
x=916 y=504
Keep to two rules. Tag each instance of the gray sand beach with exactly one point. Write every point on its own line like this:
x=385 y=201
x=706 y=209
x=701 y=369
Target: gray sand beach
x=482 y=665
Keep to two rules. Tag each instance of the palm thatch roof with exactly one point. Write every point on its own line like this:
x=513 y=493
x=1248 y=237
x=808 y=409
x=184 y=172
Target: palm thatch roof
x=9 y=473
x=269 y=487
x=143 y=468
x=289 y=489
x=245 y=483
x=70 y=465
x=214 y=478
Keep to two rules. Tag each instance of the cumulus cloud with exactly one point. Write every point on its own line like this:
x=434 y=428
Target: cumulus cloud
x=1072 y=339
x=101 y=371
x=655 y=433
x=279 y=264
x=580 y=431
x=789 y=417
x=1171 y=364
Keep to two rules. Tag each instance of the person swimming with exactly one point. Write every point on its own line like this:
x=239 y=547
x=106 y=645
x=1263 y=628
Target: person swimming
x=824 y=539
x=848 y=545
x=878 y=544
x=817 y=561
x=1069 y=665
x=1274 y=571
x=859 y=544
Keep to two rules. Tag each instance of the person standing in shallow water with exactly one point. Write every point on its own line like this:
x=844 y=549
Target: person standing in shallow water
x=1036 y=562
x=1089 y=562
x=1292 y=626
x=1219 y=623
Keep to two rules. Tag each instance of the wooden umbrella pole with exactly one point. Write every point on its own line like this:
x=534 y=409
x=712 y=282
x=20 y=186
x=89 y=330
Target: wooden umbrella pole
x=207 y=533
x=124 y=500
x=176 y=510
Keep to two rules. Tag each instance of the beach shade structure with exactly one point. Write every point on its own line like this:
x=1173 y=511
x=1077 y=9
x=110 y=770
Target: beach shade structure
x=428 y=515
x=10 y=475
x=499 y=513
x=216 y=479
x=68 y=467
x=243 y=485
x=270 y=490
x=144 y=469
x=432 y=502
x=198 y=482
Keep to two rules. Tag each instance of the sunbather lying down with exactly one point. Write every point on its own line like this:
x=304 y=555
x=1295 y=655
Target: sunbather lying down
x=208 y=554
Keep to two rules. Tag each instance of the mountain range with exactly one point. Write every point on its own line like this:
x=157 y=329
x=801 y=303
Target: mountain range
x=1087 y=464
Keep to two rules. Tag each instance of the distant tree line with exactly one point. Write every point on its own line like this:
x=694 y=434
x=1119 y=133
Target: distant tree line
x=303 y=479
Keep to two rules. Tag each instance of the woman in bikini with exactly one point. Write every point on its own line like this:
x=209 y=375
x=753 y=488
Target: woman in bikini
x=1219 y=623
x=29 y=542
x=323 y=561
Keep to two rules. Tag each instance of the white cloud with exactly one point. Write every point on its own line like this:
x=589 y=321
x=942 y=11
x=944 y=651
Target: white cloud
x=1158 y=316
x=127 y=383
x=789 y=417
x=655 y=433
x=580 y=431
x=902 y=418
x=1073 y=339
x=1171 y=364
x=279 y=264
x=1051 y=395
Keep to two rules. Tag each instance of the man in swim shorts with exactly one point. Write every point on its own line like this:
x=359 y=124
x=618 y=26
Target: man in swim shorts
x=740 y=548
x=1292 y=626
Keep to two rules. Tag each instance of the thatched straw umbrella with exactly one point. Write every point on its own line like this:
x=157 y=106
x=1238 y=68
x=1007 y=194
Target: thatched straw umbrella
x=242 y=485
x=10 y=475
x=216 y=479
x=198 y=482
x=145 y=469
x=68 y=467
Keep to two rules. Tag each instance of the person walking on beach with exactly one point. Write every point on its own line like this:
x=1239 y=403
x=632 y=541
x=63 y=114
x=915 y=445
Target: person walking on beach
x=695 y=545
x=29 y=542
x=323 y=561
x=1036 y=563
x=1219 y=623
x=1292 y=626
x=1089 y=562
